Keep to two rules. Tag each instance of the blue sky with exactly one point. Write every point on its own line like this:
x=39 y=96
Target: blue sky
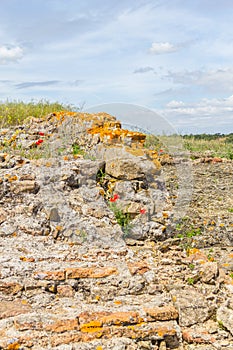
x=172 y=56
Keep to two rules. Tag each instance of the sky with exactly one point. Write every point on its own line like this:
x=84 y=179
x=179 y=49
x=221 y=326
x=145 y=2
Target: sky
x=174 y=57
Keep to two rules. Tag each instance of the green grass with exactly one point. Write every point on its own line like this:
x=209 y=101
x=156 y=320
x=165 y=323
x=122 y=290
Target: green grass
x=217 y=148
x=16 y=112
x=152 y=142
x=191 y=266
x=217 y=145
x=190 y=281
x=123 y=219
x=77 y=150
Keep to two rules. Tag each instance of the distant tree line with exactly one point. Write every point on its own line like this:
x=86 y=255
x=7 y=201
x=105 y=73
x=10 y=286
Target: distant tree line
x=228 y=138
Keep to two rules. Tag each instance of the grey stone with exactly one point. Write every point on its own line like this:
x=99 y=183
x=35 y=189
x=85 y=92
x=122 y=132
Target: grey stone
x=193 y=307
x=209 y=272
x=124 y=169
x=30 y=186
x=3 y=215
x=225 y=317
x=54 y=215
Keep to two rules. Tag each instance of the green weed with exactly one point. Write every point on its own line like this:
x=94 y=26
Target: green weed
x=152 y=142
x=193 y=232
x=17 y=112
x=77 y=150
x=190 y=280
x=100 y=176
x=221 y=325
x=123 y=219
x=191 y=266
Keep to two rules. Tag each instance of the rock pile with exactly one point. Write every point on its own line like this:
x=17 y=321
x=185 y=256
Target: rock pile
x=87 y=259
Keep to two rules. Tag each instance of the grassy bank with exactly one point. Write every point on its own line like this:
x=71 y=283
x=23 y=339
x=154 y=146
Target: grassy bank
x=15 y=112
x=221 y=146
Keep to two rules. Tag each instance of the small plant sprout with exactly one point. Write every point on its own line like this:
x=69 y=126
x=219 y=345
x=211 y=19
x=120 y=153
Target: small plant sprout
x=122 y=218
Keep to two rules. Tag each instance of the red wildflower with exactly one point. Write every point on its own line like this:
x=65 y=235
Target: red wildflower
x=39 y=142
x=114 y=198
x=142 y=211
x=161 y=151
x=41 y=133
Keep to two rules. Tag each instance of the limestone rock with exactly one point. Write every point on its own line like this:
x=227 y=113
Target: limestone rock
x=124 y=169
x=192 y=306
x=3 y=215
x=225 y=317
x=13 y=308
x=29 y=186
x=209 y=271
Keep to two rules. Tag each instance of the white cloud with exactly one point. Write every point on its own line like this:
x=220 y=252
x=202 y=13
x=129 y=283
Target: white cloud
x=205 y=106
x=162 y=48
x=10 y=54
x=215 y=80
x=175 y=104
x=205 y=115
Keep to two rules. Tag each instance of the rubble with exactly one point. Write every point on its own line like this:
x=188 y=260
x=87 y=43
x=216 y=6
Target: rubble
x=91 y=254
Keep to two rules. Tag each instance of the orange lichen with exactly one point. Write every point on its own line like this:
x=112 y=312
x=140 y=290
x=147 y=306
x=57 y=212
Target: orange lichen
x=13 y=346
x=92 y=326
x=163 y=331
x=24 y=258
x=110 y=132
x=192 y=251
x=13 y=178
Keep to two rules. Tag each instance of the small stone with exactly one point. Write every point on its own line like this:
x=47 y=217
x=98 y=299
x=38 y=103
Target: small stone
x=90 y=272
x=13 y=308
x=10 y=288
x=139 y=267
x=54 y=215
x=162 y=345
x=30 y=186
x=63 y=326
x=197 y=336
x=50 y=275
x=209 y=271
x=86 y=319
x=27 y=177
x=163 y=313
x=65 y=291
x=3 y=215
